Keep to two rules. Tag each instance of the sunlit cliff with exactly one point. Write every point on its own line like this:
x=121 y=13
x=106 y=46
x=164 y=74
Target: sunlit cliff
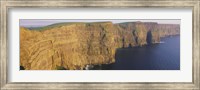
x=73 y=46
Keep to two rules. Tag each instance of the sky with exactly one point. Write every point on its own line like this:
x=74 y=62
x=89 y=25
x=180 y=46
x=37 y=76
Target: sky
x=45 y=22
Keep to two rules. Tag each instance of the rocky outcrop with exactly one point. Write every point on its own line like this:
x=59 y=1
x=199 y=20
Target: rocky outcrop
x=153 y=35
x=77 y=45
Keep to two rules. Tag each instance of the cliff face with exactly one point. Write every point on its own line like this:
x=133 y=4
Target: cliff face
x=168 y=29
x=153 y=35
x=142 y=33
x=73 y=46
x=132 y=34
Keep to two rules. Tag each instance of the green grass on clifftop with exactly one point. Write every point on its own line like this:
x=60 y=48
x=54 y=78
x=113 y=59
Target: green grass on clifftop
x=53 y=26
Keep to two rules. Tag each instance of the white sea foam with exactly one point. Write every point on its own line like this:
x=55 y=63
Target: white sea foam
x=161 y=42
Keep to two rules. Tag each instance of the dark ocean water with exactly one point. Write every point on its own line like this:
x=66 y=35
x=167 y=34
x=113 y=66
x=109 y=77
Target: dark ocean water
x=162 y=56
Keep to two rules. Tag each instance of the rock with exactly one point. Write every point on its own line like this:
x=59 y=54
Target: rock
x=88 y=67
x=153 y=35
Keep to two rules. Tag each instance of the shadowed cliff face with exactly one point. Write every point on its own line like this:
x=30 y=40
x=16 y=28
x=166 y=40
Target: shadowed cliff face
x=153 y=35
x=73 y=46
x=132 y=34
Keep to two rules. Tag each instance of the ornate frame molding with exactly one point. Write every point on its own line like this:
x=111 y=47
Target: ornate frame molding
x=7 y=4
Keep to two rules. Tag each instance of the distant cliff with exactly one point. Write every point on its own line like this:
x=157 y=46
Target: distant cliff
x=75 y=45
x=168 y=29
x=142 y=33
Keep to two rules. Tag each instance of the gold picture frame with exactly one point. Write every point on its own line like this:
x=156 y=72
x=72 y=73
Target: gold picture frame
x=7 y=4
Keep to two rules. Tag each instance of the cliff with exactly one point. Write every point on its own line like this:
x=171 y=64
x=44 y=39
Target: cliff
x=71 y=46
x=168 y=29
x=131 y=34
x=141 y=33
x=75 y=45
